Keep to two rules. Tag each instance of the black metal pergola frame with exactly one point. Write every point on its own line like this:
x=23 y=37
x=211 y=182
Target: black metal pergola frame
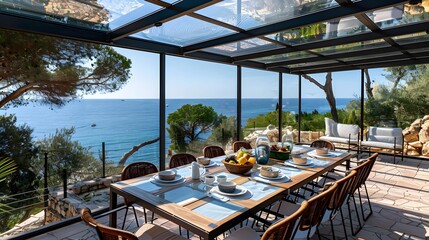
x=398 y=54
x=27 y=21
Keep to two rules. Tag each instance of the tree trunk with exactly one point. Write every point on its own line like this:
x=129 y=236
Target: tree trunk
x=133 y=150
x=368 y=87
x=329 y=93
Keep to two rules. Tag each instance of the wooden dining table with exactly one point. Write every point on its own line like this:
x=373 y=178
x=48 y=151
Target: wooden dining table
x=194 y=206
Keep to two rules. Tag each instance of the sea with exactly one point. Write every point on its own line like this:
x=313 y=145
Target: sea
x=124 y=123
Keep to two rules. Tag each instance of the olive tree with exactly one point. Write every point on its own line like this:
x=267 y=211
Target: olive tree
x=187 y=124
x=54 y=71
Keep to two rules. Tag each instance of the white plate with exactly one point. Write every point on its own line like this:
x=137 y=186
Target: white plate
x=212 y=164
x=169 y=183
x=176 y=179
x=239 y=190
x=328 y=155
x=308 y=163
x=280 y=176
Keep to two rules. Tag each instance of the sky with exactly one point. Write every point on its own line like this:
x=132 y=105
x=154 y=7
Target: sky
x=188 y=78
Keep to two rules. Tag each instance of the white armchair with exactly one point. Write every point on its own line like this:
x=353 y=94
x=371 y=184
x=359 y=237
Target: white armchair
x=385 y=138
x=341 y=133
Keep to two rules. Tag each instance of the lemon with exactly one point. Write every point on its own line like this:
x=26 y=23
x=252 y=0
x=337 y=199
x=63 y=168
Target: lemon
x=252 y=160
x=242 y=160
x=240 y=154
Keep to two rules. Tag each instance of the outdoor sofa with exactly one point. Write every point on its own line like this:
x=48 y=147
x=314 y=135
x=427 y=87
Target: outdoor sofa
x=341 y=133
x=385 y=138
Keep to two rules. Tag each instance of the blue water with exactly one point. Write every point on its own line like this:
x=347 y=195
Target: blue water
x=122 y=124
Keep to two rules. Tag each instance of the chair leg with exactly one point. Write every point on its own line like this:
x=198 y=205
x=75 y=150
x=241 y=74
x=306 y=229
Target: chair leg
x=318 y=233
x=332 y=228
x=369 y=204
x=153 y=216
x=358 y=217
x=394 y=156
x=145 y=215
x=125 y=218
x=344 y=223
x=135 y=215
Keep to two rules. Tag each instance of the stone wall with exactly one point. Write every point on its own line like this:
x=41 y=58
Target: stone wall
x=273 y=135
x=416 y=137
x=92 y=185
x=60 y=208
x=82 y=194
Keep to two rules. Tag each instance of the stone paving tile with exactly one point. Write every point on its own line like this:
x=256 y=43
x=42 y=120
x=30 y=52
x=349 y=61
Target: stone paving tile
x=399 y=196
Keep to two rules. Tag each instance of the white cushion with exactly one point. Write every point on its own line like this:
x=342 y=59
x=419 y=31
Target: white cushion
x=386 y=135
x=377 y=144
x=330 y=128
x=339 y=140
x=245 y=233
x=340 y=130
x=346 y=130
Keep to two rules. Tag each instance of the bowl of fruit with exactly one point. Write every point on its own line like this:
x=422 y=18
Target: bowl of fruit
x=281 y=153
x=240 y=163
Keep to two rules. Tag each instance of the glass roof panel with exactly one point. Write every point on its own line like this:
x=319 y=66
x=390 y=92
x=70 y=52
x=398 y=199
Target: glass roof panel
x=248 y=14
x=328 y=30
x=308 y=64
x=284 y=57
x=171 y=1
x=183 y=31
x=123 y=12
x=411 y=38
x=400 y=15
x=419 y=50
x=101 y=14
x=368 y=57
x=357 y=46
x=243 y=47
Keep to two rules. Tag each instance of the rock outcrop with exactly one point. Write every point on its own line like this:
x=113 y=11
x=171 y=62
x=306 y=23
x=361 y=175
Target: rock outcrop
x=416 y=137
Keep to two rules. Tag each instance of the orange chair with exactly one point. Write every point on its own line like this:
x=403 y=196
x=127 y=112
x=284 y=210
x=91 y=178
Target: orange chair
x=241 y=144
x=137 y=169
x=213 y=151
x=181 y=159
x=147 y=231
x=283 y=229
x=323 y=144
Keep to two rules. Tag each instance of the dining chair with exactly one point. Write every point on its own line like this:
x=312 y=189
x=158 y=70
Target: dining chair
x=180 y=159
x=147 y=231
x=363 y=170
x=241 y=144
x=283 y=229
x=339 y=198
x=312 y=216
x=323 y=144
x=213 y=151
x=133 y=170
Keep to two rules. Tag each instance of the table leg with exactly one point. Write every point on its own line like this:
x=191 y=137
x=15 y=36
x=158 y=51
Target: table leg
x=348 y=164
x=113 y=205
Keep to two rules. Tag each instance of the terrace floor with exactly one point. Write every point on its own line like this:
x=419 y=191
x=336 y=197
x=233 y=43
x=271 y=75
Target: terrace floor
x=399 y=195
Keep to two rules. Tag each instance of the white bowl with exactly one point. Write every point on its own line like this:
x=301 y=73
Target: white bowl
x=204 y=161
x=270 y=172
x=167 y=175
x=299 y=159
x=228 y=187
x=322 y=150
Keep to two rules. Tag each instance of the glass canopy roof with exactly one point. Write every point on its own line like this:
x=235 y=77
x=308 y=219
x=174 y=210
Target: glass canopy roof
x=291 y=36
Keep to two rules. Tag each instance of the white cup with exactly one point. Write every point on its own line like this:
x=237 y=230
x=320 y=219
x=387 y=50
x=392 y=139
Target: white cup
x=209 y=180
x=221 y=178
